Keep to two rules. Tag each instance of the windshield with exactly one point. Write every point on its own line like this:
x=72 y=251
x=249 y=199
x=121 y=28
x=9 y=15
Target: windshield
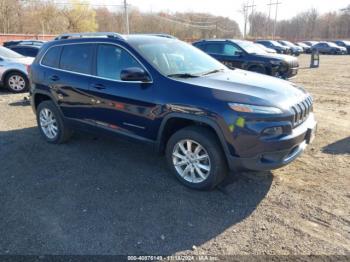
x=174 y=57
x=275 y=43
x=332 y=44
x=7 y=53
x=287 y=43
x=251 y=47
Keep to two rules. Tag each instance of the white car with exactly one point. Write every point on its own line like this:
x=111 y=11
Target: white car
x=266 y=49
x=14 y=70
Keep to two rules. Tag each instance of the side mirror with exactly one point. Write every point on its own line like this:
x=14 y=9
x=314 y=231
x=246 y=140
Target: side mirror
x=238 y=53
x=134 y=74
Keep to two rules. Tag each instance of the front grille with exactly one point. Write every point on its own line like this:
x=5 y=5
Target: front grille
x=302 y=111
x=293 y=64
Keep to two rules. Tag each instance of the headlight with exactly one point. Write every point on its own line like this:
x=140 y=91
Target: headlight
x=275 y=62
x=254 y=109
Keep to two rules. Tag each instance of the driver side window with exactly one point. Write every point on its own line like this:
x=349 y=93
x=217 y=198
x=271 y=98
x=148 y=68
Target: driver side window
x=111 y=60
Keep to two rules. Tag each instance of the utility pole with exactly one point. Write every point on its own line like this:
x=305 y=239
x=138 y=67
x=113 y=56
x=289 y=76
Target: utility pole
x=275 y=22
x=126 y=17
x=268 y=25
x=246 y=8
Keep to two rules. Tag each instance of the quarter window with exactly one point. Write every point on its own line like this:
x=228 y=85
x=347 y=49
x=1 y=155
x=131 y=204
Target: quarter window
x=111 y=60
x=52 y=57
x=77 y=58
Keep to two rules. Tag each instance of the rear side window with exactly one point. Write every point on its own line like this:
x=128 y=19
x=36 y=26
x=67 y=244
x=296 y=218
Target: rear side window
x=52 y=57
x=214 y=48
x=77 y=58
x=111 y=60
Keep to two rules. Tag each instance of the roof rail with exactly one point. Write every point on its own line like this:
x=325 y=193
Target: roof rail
x=163 y=35
x=96 y=34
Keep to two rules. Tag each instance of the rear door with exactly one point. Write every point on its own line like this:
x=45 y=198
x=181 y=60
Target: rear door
x=121 y=106
x=69 y=78
x=227 y=53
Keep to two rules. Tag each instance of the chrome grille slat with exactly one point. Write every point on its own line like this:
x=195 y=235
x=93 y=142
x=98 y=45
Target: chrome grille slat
x=301 y=111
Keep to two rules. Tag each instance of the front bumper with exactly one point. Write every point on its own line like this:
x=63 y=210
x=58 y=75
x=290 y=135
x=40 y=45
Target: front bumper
x=278 y=152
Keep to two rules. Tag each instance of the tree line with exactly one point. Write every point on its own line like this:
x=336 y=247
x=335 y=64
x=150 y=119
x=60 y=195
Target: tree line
x=48 y=17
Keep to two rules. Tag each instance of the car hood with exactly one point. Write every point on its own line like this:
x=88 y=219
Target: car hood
x=286 y=58
x=242 y=86
x=23 y=60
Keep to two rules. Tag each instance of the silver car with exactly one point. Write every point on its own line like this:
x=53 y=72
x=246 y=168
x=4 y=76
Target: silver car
x=14 y=70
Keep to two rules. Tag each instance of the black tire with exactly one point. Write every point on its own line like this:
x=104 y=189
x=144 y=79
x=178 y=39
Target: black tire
x=209 y=141
x=8 y=84
x=63 y=131
x=257 y=69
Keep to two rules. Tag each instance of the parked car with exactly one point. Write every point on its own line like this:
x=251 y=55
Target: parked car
x=295 y=50
x=14 y=70
x=26 y=50
x=280 y=49
x=206 y=118
x=305 y=47
x=343 y=43
x=310 y=43
x=329 y=48
x=266 y=49
x=24 y=42
x=248 y=56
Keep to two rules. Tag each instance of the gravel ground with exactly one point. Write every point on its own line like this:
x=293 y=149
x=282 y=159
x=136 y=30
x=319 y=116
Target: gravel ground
x=102 y=196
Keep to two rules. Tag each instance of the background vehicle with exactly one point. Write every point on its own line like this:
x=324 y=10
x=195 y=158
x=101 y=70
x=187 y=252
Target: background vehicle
x=266 y=49
x=280 y=49
x=310 y=43
x=205 y=117
x=343 y=43
x=295 y=50
x=14 y=70
x=305 y=47
x=24 y=42
x=248 y=56
x=329 y=48
x=26 y=50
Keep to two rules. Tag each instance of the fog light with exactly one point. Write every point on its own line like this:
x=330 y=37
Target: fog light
x=273 y=131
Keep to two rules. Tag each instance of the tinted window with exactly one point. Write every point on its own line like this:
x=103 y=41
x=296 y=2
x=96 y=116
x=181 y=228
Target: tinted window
x=200 y=46
x=52 y=57
x=214 y=48
x=77 y=58
x=32 y=52
x=111 y=60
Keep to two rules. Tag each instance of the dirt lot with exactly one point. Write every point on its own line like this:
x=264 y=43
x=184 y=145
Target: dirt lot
x=100 y=196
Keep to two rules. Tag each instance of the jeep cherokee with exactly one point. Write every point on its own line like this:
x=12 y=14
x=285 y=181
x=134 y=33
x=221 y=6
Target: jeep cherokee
x=206 y=118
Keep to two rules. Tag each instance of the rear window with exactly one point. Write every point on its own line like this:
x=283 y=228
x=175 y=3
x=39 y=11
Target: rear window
x=77 y=58
x=52 y=57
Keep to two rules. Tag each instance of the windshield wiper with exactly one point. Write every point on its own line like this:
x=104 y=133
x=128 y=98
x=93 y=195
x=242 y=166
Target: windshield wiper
x=213 y=71
x=182 y=75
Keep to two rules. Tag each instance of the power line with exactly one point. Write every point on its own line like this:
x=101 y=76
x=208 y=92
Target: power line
x=276 y=4
x=184 y=24
x=126 y=15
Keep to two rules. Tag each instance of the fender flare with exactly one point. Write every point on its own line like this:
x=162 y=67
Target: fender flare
x=200 y=119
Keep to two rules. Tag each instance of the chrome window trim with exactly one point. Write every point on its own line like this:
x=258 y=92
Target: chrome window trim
x=90 y=75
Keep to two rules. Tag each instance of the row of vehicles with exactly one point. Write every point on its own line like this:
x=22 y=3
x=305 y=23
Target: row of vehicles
x=338 y=47
x=205 y=117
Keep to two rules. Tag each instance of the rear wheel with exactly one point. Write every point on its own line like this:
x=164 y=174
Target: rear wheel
x=51 y=123
x=16 y=82
x=196 y=158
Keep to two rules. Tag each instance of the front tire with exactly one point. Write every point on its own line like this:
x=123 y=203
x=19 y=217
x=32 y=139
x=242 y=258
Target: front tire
x=16 y=82
x=196 y=158
x=51 y=124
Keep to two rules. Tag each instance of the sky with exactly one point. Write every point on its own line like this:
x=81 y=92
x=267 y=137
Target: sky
x=230 y=8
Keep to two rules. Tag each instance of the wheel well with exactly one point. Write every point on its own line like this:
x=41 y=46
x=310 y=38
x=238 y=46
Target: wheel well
x=40 y=98
x=175 y=124
x=14 y=71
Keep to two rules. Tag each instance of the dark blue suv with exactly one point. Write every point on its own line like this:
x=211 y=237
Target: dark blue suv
x=206 y=118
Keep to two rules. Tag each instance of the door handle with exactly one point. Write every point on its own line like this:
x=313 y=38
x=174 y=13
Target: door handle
x=54 y=78
x=98 y=86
